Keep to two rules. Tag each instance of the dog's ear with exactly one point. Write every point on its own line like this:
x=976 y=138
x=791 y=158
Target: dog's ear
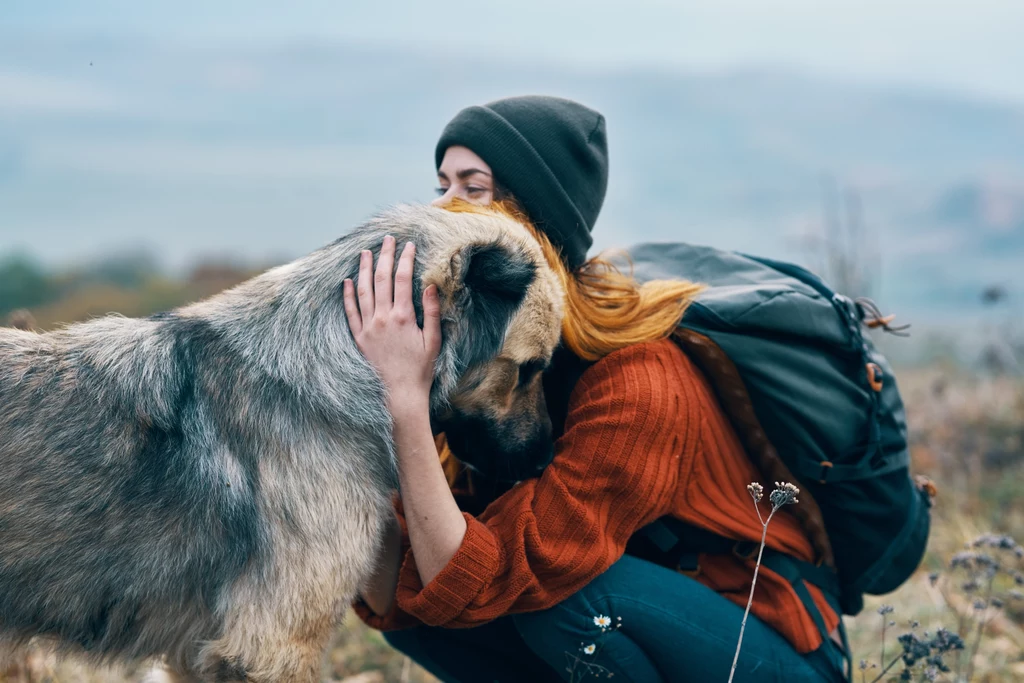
x=495 y=279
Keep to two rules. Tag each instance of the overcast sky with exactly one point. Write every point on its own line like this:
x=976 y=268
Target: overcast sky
x=969 y=46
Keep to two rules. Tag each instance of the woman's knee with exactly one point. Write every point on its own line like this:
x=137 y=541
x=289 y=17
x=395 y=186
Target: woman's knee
x=579 y=639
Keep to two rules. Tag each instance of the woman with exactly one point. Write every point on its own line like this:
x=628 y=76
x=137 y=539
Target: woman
x=540 y=572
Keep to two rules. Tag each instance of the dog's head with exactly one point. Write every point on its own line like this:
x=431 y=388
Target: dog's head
x=501 y=316
x=502 y=307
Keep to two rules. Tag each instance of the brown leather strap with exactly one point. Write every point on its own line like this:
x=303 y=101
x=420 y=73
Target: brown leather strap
x=735 y=400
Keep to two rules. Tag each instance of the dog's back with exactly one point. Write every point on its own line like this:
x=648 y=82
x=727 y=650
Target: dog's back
x=109 y=508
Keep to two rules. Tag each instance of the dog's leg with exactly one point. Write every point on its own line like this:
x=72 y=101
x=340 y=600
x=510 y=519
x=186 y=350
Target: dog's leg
x=302 y=663
x=292 y=662
x=268 y=651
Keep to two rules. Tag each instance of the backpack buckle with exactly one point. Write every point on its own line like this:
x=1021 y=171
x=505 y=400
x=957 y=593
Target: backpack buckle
x=745 y=550
x=689 y=565
x=692 y=573
x=875 y=375
x=825 y=467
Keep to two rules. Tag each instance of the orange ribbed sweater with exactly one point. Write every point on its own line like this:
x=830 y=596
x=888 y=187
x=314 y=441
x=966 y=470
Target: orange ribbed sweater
x=644 y=437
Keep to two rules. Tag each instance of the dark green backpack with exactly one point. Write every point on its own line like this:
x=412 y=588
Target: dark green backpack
x=823 y=396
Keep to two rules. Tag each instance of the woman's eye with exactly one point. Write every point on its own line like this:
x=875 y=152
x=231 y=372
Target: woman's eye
x=440 y=191
x=474 y=190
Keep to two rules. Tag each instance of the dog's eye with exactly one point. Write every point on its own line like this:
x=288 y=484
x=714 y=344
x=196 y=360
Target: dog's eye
x=529 y=370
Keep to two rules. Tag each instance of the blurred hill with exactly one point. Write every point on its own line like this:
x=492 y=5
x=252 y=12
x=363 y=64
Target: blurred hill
x=262 y=152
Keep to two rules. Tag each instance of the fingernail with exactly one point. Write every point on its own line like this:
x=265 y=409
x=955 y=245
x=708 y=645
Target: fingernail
x=388 y=239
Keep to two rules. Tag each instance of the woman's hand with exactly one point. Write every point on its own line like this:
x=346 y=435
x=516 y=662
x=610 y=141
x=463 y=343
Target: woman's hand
x=385 y=329
x=383 y=322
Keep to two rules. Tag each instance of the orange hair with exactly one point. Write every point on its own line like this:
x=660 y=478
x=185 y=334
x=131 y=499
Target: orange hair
x=605 y=309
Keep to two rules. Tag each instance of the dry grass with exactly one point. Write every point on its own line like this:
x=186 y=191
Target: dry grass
x=967 y=434
x=357 y=655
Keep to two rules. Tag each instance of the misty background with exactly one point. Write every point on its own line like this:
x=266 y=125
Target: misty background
x=879 y=143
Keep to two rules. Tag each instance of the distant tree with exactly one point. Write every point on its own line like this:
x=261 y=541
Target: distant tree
x=23 y=284
x=129 y=270
x=21 y=319
x=1003 y=347
x=851 y=257
x=840 y=248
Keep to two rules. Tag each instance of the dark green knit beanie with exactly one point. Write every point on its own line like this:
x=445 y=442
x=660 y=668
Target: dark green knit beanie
x=550 y=153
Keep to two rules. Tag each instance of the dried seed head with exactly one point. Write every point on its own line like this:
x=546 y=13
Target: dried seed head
x=784 y=494
x=945 y=641
x=756 y=491
x=1000 y=541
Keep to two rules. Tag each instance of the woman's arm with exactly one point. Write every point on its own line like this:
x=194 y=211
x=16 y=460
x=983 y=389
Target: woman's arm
x=436 y=525
x=383 y=323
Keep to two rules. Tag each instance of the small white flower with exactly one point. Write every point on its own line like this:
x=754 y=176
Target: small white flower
x=603 y=621
x=589 y=649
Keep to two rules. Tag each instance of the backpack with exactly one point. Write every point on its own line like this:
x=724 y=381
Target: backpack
x=814 y=403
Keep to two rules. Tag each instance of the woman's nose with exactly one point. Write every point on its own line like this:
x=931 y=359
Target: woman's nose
x=446 y=198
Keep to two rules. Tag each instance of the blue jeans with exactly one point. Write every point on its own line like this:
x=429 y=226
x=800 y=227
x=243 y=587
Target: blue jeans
x=672 y=628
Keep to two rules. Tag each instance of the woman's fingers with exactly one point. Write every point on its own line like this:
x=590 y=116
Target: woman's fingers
x=355 y=321
x=382 y=279
x=403 y=280
x=431 y=321
x=366 y=286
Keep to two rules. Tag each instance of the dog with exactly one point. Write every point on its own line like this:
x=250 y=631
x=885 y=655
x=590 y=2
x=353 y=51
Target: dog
x=209 y=485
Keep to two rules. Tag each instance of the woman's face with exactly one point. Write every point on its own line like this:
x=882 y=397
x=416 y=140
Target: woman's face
x=464 y=175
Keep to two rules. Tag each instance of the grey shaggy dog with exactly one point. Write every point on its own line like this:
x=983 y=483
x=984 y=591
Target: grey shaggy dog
x=210 y=485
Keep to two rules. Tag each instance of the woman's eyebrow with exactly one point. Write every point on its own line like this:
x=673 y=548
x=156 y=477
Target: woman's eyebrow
x=466 y=172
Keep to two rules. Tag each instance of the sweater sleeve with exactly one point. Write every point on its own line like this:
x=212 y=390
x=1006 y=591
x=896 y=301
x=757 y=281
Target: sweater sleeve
x=616 y=468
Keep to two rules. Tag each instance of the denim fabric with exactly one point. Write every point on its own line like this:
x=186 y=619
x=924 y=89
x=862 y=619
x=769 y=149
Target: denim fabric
x=669 y=628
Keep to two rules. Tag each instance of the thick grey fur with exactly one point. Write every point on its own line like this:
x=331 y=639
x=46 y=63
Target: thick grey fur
x=133 y=451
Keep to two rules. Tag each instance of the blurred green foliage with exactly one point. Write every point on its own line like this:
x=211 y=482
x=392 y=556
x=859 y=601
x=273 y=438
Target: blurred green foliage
x=23 y=284
x=131 y=284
